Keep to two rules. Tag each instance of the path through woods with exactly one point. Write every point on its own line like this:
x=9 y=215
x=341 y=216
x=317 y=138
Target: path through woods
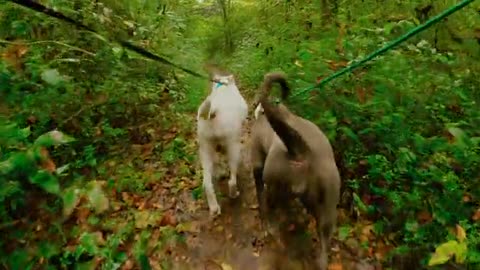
x=232 y=240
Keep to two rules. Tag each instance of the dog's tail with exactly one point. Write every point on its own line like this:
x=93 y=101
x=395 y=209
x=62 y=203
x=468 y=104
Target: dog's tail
x=275 y=77
x=296 y=145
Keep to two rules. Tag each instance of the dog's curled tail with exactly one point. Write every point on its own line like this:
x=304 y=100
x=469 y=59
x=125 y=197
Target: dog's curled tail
x=296 y=146
x=275 y=77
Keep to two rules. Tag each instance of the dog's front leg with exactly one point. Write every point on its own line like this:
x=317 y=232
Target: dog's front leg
x=234 y=154
x=207 y=153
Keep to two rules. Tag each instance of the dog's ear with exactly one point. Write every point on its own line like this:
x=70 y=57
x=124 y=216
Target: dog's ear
x=231 y=79
x=258 y=111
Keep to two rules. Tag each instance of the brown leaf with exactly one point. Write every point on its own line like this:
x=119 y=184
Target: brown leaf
x=381 y=250
x=460 y=233
x=82 y=215
x=125 y=197
x=46 y=163
x=424 y=217
x=99 y=238
x=366 y=233
x=13 y=55
x=128 y=265
x=335 y=266
x=212 y=265
x=467 y=198
x=31 y=120
x=141 y=205
x=168 y=219
x=361 y=95
x=476 y=215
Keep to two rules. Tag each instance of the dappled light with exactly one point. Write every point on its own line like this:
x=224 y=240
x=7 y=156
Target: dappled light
x=153 y=134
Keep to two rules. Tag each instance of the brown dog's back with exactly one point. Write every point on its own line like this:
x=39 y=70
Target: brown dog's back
x=292 y=155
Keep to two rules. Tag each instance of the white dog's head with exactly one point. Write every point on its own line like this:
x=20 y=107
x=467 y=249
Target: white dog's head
x=220 y=80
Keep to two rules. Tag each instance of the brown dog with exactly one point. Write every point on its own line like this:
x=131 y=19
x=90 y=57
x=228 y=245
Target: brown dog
x=292 y=157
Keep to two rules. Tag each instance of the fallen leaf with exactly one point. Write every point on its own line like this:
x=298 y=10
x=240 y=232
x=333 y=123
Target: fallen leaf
x=381 y=250
x=335 y=266
x=99 y=238
x=226 y=266
x=13 y=55
x=446 y=251
x=46 y=163
x=168 y=219
x=97 y=197
x=219 y=228
x=476 y=215
x=366 y=233
x=82 y=215
x=191 y=227
x=141 y=205
x=361 y=95
x=145 y=218
x=51 y=76
x=212 y=265
x=128 y=265
x=460 y=233
x=32 y=119
x=424 y=217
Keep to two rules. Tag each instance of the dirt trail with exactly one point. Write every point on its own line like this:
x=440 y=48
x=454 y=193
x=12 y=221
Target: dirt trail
x=231 y=241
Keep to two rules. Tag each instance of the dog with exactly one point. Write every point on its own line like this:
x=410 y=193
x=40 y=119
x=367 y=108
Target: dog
x=292 y=158
x=220 y=118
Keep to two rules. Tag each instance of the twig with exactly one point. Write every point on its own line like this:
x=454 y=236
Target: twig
x=48 y=41
x=9 y=224
x=83 y=108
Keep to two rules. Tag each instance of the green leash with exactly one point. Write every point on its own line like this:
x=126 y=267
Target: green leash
x=387 y=47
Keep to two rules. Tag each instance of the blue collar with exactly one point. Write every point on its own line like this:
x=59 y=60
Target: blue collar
x=218 y=85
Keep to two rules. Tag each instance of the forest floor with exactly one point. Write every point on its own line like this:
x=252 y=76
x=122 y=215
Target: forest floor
x=232 y=240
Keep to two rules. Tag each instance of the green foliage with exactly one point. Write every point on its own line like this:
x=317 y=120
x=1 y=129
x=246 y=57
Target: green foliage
x=24 y=162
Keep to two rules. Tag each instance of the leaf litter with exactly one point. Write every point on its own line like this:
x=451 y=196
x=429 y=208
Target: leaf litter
x=179 y=233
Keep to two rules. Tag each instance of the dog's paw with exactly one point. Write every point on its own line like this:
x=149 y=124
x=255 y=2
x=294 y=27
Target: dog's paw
x=233 y=191
x=215 y=210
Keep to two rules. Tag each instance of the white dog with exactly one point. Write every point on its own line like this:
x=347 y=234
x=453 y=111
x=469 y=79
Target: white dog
x=219 y=123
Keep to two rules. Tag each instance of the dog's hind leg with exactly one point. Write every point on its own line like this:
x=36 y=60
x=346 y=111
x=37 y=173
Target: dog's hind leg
x=234 y=155
x=259 y=186
x=325 y=231
x=207 y=153
x=325 y=215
